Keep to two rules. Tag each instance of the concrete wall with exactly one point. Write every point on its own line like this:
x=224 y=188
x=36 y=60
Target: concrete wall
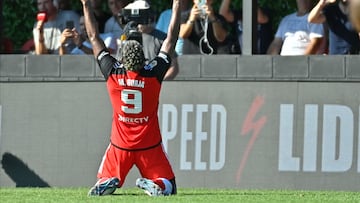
x=192 y=67
x=248 y=124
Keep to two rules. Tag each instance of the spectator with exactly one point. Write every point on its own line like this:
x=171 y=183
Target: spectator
x=82 y=42
x=152 y=40
x=47 y=33
x=295 y=35
x=202 y=29
x=113 y=24
x=164 y=21
x=234 y=18
x=343 y=39
x=354 y=11
x=100 y=15
x=63 y=4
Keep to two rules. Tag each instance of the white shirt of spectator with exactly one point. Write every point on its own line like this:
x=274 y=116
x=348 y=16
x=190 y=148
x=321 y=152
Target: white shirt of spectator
x=113 y=26
x=296 y=33
x=53 y=30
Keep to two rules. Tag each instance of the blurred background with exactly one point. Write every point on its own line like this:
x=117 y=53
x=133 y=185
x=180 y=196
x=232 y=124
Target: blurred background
x=18 y=16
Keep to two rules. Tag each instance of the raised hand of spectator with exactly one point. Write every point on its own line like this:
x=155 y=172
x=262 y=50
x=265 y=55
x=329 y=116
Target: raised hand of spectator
x=40 y=25
x=48 y=30
x=194 y=13
x=65 y=35
x=40 y=30
x=209 y=11
x=323 y=3
x=342 y=39
x=64 y=39
x=203 y=28
x=328 y=1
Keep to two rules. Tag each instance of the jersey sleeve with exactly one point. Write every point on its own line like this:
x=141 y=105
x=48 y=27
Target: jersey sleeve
x=158 y=66
x=106 y=63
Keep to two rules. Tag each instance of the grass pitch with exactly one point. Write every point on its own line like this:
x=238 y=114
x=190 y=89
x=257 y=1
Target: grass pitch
x=135 y=195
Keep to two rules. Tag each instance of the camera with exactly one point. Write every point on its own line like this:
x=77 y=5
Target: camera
x=135 y=13
x=200 y=5
x=139 y=12
x=131 y=32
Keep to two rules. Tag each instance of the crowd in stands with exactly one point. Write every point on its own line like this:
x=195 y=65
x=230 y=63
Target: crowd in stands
x=321 y=29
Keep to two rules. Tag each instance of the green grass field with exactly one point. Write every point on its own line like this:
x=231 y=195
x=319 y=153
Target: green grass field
x=134 y=195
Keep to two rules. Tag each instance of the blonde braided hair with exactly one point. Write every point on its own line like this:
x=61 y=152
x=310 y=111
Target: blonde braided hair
x=132 y=55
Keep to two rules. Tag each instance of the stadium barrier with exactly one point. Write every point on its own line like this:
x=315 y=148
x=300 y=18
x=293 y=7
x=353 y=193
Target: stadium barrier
x=256 y=122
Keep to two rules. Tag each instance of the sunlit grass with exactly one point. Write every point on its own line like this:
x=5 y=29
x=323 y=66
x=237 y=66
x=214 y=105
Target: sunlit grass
x=188 y=195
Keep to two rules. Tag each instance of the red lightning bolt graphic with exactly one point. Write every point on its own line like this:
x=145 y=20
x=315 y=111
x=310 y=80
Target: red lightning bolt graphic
x=251 y=125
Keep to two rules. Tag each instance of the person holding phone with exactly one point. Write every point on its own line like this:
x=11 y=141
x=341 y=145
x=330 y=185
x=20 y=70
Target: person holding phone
x=163 y=21
x=295 y=35
x=113 y=24
x=342 y=38
x=202 y=29
x=235 y=19
x=81 y=40
x=50 y=25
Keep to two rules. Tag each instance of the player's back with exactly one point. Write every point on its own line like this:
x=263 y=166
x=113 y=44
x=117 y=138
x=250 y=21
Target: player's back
x=135 y=103
x=135 y=97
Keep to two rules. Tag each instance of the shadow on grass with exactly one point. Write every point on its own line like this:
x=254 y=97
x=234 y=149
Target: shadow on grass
x=20 y=173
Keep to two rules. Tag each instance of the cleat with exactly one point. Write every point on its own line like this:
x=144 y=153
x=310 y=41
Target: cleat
x=106 y=187
x=149 y=187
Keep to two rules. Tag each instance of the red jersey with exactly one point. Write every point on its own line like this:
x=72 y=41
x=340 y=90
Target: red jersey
x=135 y=98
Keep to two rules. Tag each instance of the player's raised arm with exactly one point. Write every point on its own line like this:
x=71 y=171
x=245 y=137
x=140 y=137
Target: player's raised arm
x=168 y=45
x=91 y=28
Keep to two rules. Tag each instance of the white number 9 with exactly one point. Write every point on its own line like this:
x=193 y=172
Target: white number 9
x=132 y=98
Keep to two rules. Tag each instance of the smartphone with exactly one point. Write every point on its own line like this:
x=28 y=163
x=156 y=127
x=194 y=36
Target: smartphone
x=41 y=16
x=69 y=24
x=200 y=5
